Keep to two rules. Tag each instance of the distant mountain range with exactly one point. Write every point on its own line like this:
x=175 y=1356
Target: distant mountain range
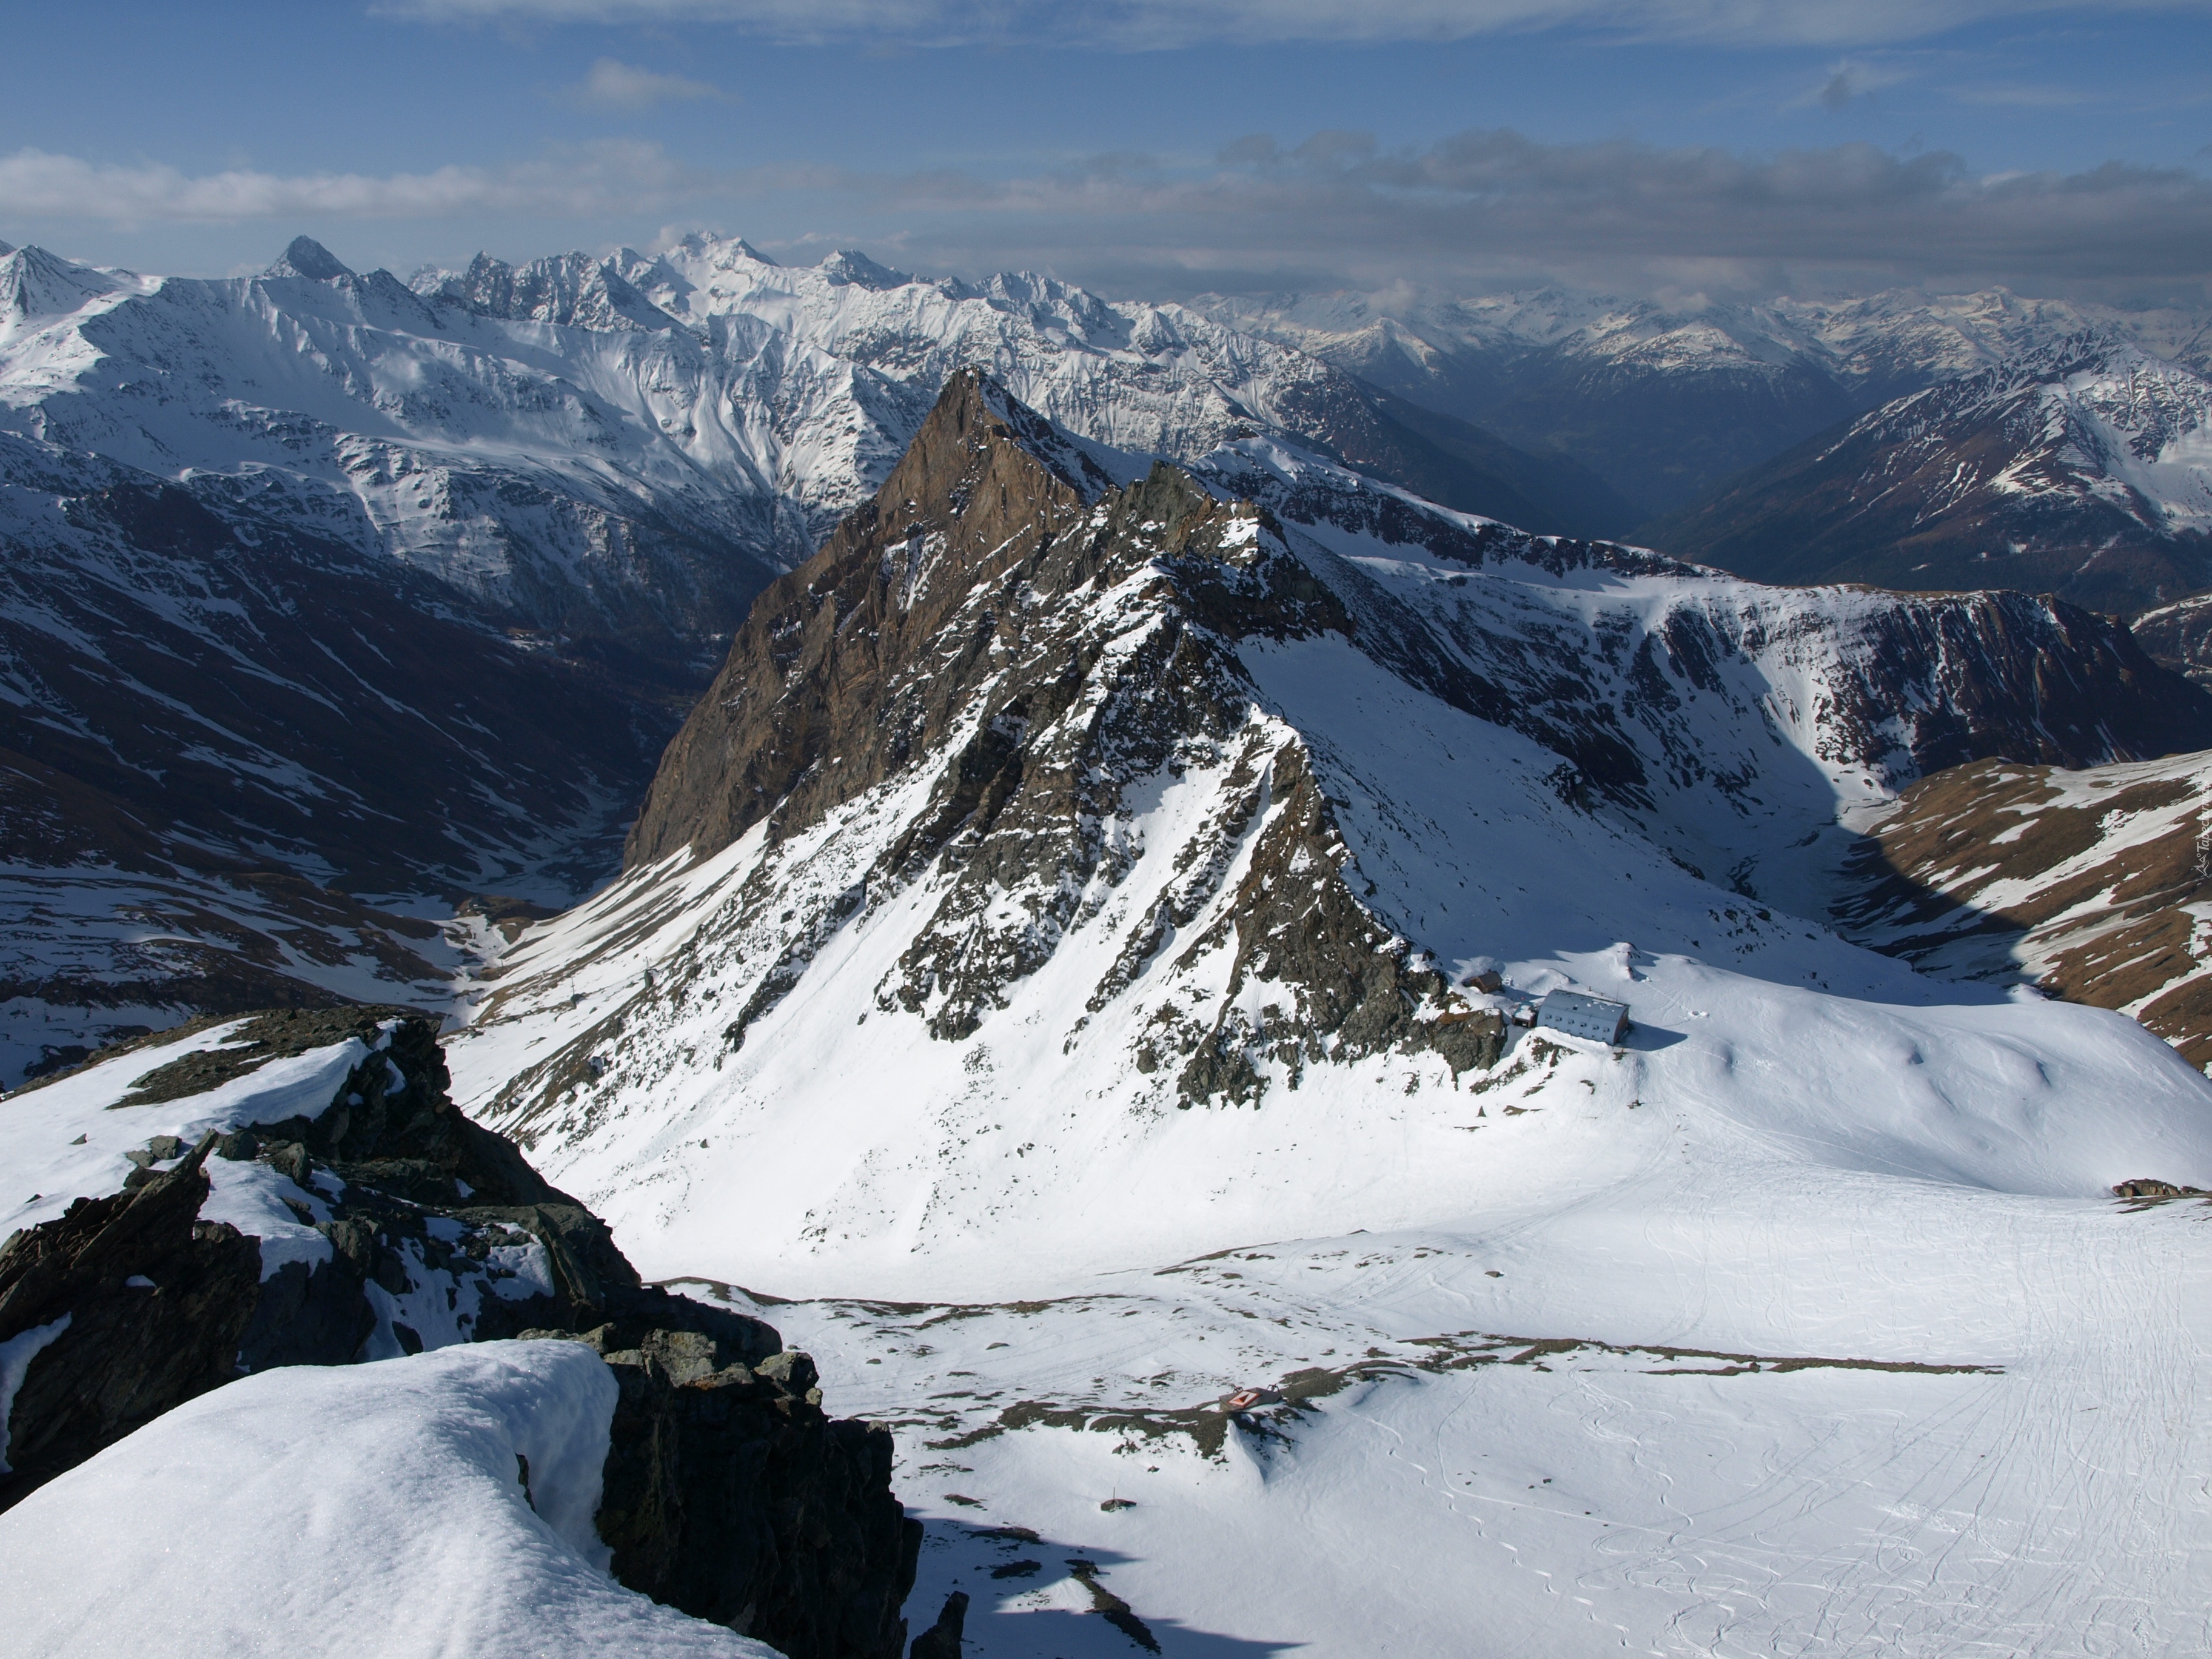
x=2082 y=468
x=333 y=599
x=1665 y=401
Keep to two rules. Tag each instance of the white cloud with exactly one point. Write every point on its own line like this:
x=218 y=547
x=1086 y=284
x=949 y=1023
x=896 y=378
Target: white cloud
x=599 y=179
x=613 y=84
x=1848 y=81
x=1489 y=205
x=1146 y=24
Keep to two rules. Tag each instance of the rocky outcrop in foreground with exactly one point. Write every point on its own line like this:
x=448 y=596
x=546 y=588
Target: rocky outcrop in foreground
x=729 y=1492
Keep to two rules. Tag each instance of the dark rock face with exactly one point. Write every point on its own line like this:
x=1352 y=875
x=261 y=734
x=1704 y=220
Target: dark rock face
x=839 y=676
x=1350 y=988
x=942 y=1639
x=131 y=1351
x=729 y=1493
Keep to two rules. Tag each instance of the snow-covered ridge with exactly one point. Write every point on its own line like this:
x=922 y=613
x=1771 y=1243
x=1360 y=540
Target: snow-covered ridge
x=2085 y=417
x=391 y=1489
x=1886 y=342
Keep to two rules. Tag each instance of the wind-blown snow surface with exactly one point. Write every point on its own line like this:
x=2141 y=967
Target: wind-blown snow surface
x=372 y=1511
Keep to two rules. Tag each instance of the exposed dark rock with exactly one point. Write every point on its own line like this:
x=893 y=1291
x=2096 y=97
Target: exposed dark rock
x=839 y=675
x=2179 y=637
x=942 y=1639
x=729 y=1493
x=2146 y=1186
x=1352 y=988
x=129 y=1352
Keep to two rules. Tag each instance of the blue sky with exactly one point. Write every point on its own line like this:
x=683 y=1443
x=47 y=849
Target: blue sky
x=1144 y=148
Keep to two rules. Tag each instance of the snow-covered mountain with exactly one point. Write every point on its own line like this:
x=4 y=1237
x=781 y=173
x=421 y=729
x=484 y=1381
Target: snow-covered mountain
x=1054 y=779
x=843 y=358
x=1057 y=952
x=313 y=578
x=277 y=542
x=2082 y=468
x=1667 y=400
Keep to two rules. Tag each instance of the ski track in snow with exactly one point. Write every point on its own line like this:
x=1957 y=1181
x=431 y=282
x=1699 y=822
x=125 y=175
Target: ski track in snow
x=1589 y=1501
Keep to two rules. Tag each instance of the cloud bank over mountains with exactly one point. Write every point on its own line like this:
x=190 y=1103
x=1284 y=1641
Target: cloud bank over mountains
x=1480 y=205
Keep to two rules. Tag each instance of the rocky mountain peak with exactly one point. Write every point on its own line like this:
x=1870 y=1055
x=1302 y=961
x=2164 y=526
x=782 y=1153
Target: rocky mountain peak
x=306 y=257
x=35 y=284
x=570 y=290
x=986 y=486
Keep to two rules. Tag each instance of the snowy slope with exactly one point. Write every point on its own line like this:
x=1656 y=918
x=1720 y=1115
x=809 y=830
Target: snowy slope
x=1720 y=1402
x=360 y=1509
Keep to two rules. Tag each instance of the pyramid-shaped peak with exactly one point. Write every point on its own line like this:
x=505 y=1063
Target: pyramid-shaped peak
x=856 y=269
x=708 y=245
x=308 y=257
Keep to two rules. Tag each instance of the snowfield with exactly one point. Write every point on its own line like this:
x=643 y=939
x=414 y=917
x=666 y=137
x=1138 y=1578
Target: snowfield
x=1756 y=1409
x=373 y=1511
